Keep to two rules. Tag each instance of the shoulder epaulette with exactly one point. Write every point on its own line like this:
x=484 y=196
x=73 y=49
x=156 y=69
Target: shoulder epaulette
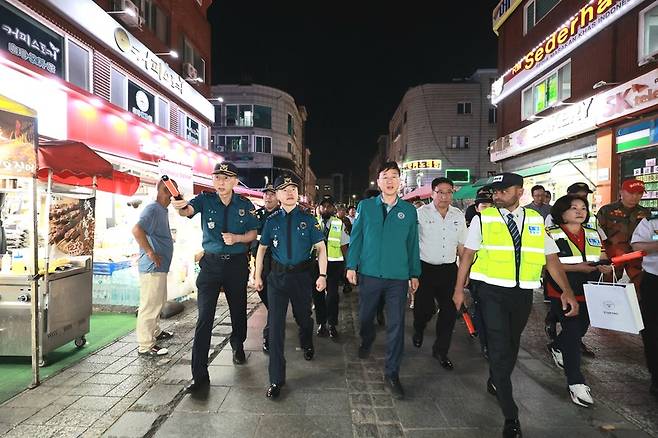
x=242 y=198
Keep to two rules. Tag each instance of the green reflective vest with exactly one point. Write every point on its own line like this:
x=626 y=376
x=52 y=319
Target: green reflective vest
x=569 y=251
x=334 y=253
x=496 y=261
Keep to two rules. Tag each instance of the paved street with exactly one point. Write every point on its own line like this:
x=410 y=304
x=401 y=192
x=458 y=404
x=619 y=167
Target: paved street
x=115 y=393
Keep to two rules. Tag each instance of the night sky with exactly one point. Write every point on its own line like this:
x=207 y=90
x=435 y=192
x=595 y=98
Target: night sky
x=349 y=63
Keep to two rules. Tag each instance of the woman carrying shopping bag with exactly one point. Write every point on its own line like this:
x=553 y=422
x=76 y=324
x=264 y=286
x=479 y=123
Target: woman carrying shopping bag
x=580 y=250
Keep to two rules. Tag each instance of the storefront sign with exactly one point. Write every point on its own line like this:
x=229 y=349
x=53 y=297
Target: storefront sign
x=18 y=155
x=141 y=102
x=573 y=120
x=25 y=38
x=422 y=164
x=180 y=173
x=191 y=130
x=502 y=11
x=591 y=19
x=635 y=95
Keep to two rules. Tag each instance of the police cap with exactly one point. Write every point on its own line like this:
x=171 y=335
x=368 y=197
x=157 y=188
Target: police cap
x=283 y=181
x=579 y=187
x=269 y=188
x=226 y=168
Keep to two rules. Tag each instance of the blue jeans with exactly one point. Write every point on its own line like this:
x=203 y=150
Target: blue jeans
x=371 y=289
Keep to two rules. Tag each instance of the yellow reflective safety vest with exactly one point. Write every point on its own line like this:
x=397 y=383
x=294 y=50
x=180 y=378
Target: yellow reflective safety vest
x=569 y=251
x=334 y=253
x=496 y=259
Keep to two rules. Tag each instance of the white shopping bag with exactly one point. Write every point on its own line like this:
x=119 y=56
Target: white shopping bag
x=613 y=306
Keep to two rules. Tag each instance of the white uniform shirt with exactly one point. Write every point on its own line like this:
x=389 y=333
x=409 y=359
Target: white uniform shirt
x=647 y=231
x=474 y=236
x=438 y=236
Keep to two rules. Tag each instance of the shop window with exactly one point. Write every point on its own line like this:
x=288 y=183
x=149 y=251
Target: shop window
x=231 y=115
x=193 y=65
x=289 y=148
x=648 y=34
x=156 y=20
x=118 y=89
x=464 y=108
x=262 y=117
x=552 y=89
x=78 y=65
x=263 y=144
x=291 y=126
x=458 y=141
x=493 y=115
x=236 y=143
x=535 y=10
x=163 y=113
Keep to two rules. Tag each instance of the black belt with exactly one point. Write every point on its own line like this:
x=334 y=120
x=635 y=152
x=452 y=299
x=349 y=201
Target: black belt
x=226 y=257
x=280 y=268
x=440 y=264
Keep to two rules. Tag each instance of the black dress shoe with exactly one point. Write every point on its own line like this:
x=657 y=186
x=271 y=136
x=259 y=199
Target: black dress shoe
x=322 y=331
x=364 y=353
x=333 y=333
x=417 y=339
x=238 y=357
x=512 y=429
x=266 y=346
x=491 y=388
x=445 y=363
x=585 y=351
x=197 y=387
x=394 y=385
x=273 y=391
x=309 y=353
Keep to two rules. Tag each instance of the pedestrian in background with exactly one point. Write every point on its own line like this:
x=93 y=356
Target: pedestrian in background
x=156 y=249
x=384 y=250
x=229 y=225
x=538 y=203
x=291 y=234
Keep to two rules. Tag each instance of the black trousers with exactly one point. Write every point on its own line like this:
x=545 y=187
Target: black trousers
x=437 y=284
x=267 y=265
x=649 y=309
x=284 y=288
x=326 y=302
x=216 y=273
x=569 y=338
x=505 y=312
x=476 y=313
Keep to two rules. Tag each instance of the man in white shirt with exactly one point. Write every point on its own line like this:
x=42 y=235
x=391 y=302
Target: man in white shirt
x=441 y=233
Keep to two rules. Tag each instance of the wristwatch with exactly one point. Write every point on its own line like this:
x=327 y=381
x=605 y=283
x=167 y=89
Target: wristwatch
x=323 y=275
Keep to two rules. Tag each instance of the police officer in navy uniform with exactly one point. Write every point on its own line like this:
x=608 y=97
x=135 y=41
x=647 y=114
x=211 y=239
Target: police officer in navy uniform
x=270 y=207
x=291 y=234
x=229 y=225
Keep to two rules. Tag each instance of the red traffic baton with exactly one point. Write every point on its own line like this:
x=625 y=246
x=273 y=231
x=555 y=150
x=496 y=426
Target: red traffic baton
x=469 y=322
x=171 y=187
x=618 y=260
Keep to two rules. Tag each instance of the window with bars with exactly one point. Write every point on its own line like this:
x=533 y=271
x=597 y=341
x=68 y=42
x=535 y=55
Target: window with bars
x=262 y=144
x=464 y=108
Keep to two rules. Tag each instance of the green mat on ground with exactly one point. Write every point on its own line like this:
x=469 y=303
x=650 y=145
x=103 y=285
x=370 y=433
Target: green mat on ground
x=104 y=328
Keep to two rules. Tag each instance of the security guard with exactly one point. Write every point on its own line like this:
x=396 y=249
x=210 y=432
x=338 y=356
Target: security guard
x=291 y=234
x=512 y=248
x=270 y=207
x=384 y=249
x=229 y=225
x=336 y=240
x=645 y=238
x=618 y=221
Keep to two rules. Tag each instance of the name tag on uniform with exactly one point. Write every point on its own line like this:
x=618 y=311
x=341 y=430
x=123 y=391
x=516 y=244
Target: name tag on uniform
x=593 y=241
x=534 y=230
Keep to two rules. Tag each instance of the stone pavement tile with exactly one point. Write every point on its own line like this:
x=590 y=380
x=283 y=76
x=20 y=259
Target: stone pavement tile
x=68 y=432
x=125 y=350
x=303 y=426
x=419 y=413
x=211 y=403
x=72 y=417
x=4 y=428
x=221 y=425
x=366 y=430
x=123 y=388
x=386 y=416
x=382 y=401
x=90 y=389
x=177 y=374
x=13 y=416
x=357 y=386
x=89 y=367
x=225 y=357
x=361 y=415
x=66 y=400
x=222 y=330
x=479 y=411
x=361 y=400
x=251 y=400
x=326 y=403
x=94 y=403
x=444 y=386
x=44 y=414
x=157 y=396
x=107 y=419
x=301 y=379
x=241 y=375
x=99 y=358
x=107 y=379
x=29 y=399
x=454 y=433
x=110 y=349
x=30 y=431
x=132 y=424
x=390 y=431
x=93 y=432
x=118 y=365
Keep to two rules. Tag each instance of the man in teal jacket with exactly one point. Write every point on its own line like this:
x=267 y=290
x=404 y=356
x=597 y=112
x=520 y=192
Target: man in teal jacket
x=384 y=250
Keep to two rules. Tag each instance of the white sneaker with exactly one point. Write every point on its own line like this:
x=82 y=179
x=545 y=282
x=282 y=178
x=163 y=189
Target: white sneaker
x=557 y=357
x=580 y=395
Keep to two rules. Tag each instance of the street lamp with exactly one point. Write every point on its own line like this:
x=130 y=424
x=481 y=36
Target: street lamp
x=372 y=183
x=126 y=11
x=172 y=53
x=600 y=84
x=218 y=99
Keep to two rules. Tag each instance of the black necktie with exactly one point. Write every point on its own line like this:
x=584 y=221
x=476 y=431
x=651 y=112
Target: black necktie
x=516 y=237
x=289 y=235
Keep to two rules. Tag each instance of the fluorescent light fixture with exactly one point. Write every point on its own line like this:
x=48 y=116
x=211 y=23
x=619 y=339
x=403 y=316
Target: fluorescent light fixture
x=172 y=53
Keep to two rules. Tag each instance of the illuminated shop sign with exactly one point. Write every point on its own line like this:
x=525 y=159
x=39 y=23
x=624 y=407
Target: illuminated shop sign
x=502 y=11
x=422 y=164
x=141 y=102
x=590 y=20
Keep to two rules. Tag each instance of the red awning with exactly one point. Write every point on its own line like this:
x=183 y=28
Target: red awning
x=240 y=190
x=422 y=192
x=74 y=163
